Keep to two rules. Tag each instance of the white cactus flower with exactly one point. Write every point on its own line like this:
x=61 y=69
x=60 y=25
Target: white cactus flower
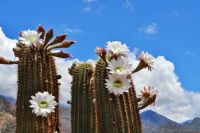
x=117 y=47
x=147 y=60
x=120 y=66
x=117 y=84
x=43 y=104
x=30 y=37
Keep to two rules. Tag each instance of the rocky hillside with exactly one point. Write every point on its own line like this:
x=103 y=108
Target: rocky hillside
x=156 y=123
x=152 y=122
x=7 y=115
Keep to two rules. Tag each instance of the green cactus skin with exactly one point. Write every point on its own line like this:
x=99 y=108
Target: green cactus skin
x=36 y=75
x=116 y=114
x=81 y=99
x=94 y=109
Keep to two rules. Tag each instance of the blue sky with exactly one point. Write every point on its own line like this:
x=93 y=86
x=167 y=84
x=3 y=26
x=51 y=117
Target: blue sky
x=167 y=28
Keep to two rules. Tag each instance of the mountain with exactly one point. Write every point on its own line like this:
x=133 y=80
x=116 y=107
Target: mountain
x=152 y=122
x=192 y=126
x=9 y=99
x=65 y=117
x=186 y=122
x=7 y=115
x=7 y=105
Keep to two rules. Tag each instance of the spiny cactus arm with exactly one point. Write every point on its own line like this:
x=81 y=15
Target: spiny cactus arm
x=64 y=44
x=72 y=69
x=61 y=54
x=107 y=117
x=81 y=98
x=3 y=60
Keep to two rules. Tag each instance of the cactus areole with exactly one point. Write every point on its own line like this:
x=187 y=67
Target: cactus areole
x=105 y=100
x=37 y=73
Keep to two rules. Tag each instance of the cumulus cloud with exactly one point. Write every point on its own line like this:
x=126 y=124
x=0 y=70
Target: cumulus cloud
x=7 y=73
x=173 y=102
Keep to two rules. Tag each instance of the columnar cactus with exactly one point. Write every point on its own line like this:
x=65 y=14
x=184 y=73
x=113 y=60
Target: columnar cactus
x=113 y=104
x=37 y=76
x=81 y=98
x=117 y=113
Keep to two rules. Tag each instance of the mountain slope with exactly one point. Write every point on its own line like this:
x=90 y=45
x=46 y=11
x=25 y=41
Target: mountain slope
x=156 y=123
x=152 y=122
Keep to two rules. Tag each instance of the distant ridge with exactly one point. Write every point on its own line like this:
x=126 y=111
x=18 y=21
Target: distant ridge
x=156 y=123
x=152 y=122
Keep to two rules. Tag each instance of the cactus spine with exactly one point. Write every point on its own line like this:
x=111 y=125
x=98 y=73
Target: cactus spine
x=116 y=113
x=36 y=76
x=37 y=73
x=81 y=98
x=110 y=111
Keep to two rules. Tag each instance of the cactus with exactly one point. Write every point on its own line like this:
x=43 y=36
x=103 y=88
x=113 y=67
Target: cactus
x=110 y=111
x=37 y=73
x=81 y=98
x=116 y=113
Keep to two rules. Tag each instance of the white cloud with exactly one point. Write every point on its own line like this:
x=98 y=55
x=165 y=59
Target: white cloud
x=7 y=73
x=174 y=101
x=150 y=29
x=73 y=30
x=129 y=5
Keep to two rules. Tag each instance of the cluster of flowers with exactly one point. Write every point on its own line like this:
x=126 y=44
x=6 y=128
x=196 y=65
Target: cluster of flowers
x=120 y=70
x=118 y=81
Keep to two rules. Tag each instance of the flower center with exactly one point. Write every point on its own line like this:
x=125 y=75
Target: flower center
x=119 y=69
x=117 y=83
x=32 y=39
x=43 y=104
